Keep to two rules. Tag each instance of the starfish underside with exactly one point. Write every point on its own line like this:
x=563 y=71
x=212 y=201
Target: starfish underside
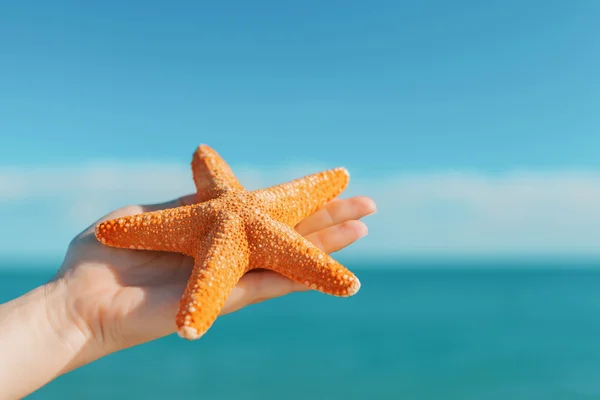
x=231 y=231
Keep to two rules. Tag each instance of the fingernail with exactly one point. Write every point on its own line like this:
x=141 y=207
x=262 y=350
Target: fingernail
x=364 y=231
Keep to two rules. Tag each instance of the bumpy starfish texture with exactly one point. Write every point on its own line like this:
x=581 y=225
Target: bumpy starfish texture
x=231 y=231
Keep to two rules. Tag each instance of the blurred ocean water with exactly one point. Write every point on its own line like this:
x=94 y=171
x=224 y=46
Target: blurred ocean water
x=409 y=334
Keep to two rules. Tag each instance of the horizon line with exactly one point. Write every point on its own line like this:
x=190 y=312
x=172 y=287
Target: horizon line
x=483 y=262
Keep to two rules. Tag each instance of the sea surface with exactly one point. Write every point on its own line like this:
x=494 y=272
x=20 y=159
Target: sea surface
x=411 y=333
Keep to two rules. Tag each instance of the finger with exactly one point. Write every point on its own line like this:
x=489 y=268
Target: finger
x=337 y=237
x=260 y=285
x=274 y=285
x=336 y=212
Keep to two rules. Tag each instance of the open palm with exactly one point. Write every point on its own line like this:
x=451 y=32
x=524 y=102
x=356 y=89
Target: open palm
x=122 y=297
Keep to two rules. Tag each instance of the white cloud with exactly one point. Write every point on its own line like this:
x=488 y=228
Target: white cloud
x=428 y=214
x=519 y=213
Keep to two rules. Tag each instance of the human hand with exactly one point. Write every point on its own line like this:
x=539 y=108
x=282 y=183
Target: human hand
x=120 y=298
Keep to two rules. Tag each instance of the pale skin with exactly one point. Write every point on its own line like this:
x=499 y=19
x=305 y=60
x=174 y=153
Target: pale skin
x=104 y=299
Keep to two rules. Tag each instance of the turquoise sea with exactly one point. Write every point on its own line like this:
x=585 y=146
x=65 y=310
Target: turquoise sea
x=412 y=333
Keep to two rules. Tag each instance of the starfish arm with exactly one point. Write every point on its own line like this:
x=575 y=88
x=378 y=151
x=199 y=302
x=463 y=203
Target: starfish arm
x=220 y=261
x=293 y=201
x=280 y=248
x=164 y=230
x=212 y=176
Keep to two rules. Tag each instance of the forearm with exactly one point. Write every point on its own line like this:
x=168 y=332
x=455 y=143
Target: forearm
x=37 y=342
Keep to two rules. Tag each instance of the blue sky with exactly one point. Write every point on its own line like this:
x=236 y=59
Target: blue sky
x=465 y=119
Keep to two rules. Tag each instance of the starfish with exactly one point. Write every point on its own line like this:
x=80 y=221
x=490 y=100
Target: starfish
x=230 y=231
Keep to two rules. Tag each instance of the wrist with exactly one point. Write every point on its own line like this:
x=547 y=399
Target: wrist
x=71 y=334
x=39 y=340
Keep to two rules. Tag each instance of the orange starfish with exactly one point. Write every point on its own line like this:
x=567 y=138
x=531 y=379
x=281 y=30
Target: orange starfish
x=231 y=231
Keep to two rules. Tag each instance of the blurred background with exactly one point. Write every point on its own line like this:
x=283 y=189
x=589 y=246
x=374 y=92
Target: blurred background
x=474 y=125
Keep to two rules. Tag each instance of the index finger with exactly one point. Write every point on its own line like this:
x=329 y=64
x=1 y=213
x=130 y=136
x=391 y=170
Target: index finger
x=336 y=212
